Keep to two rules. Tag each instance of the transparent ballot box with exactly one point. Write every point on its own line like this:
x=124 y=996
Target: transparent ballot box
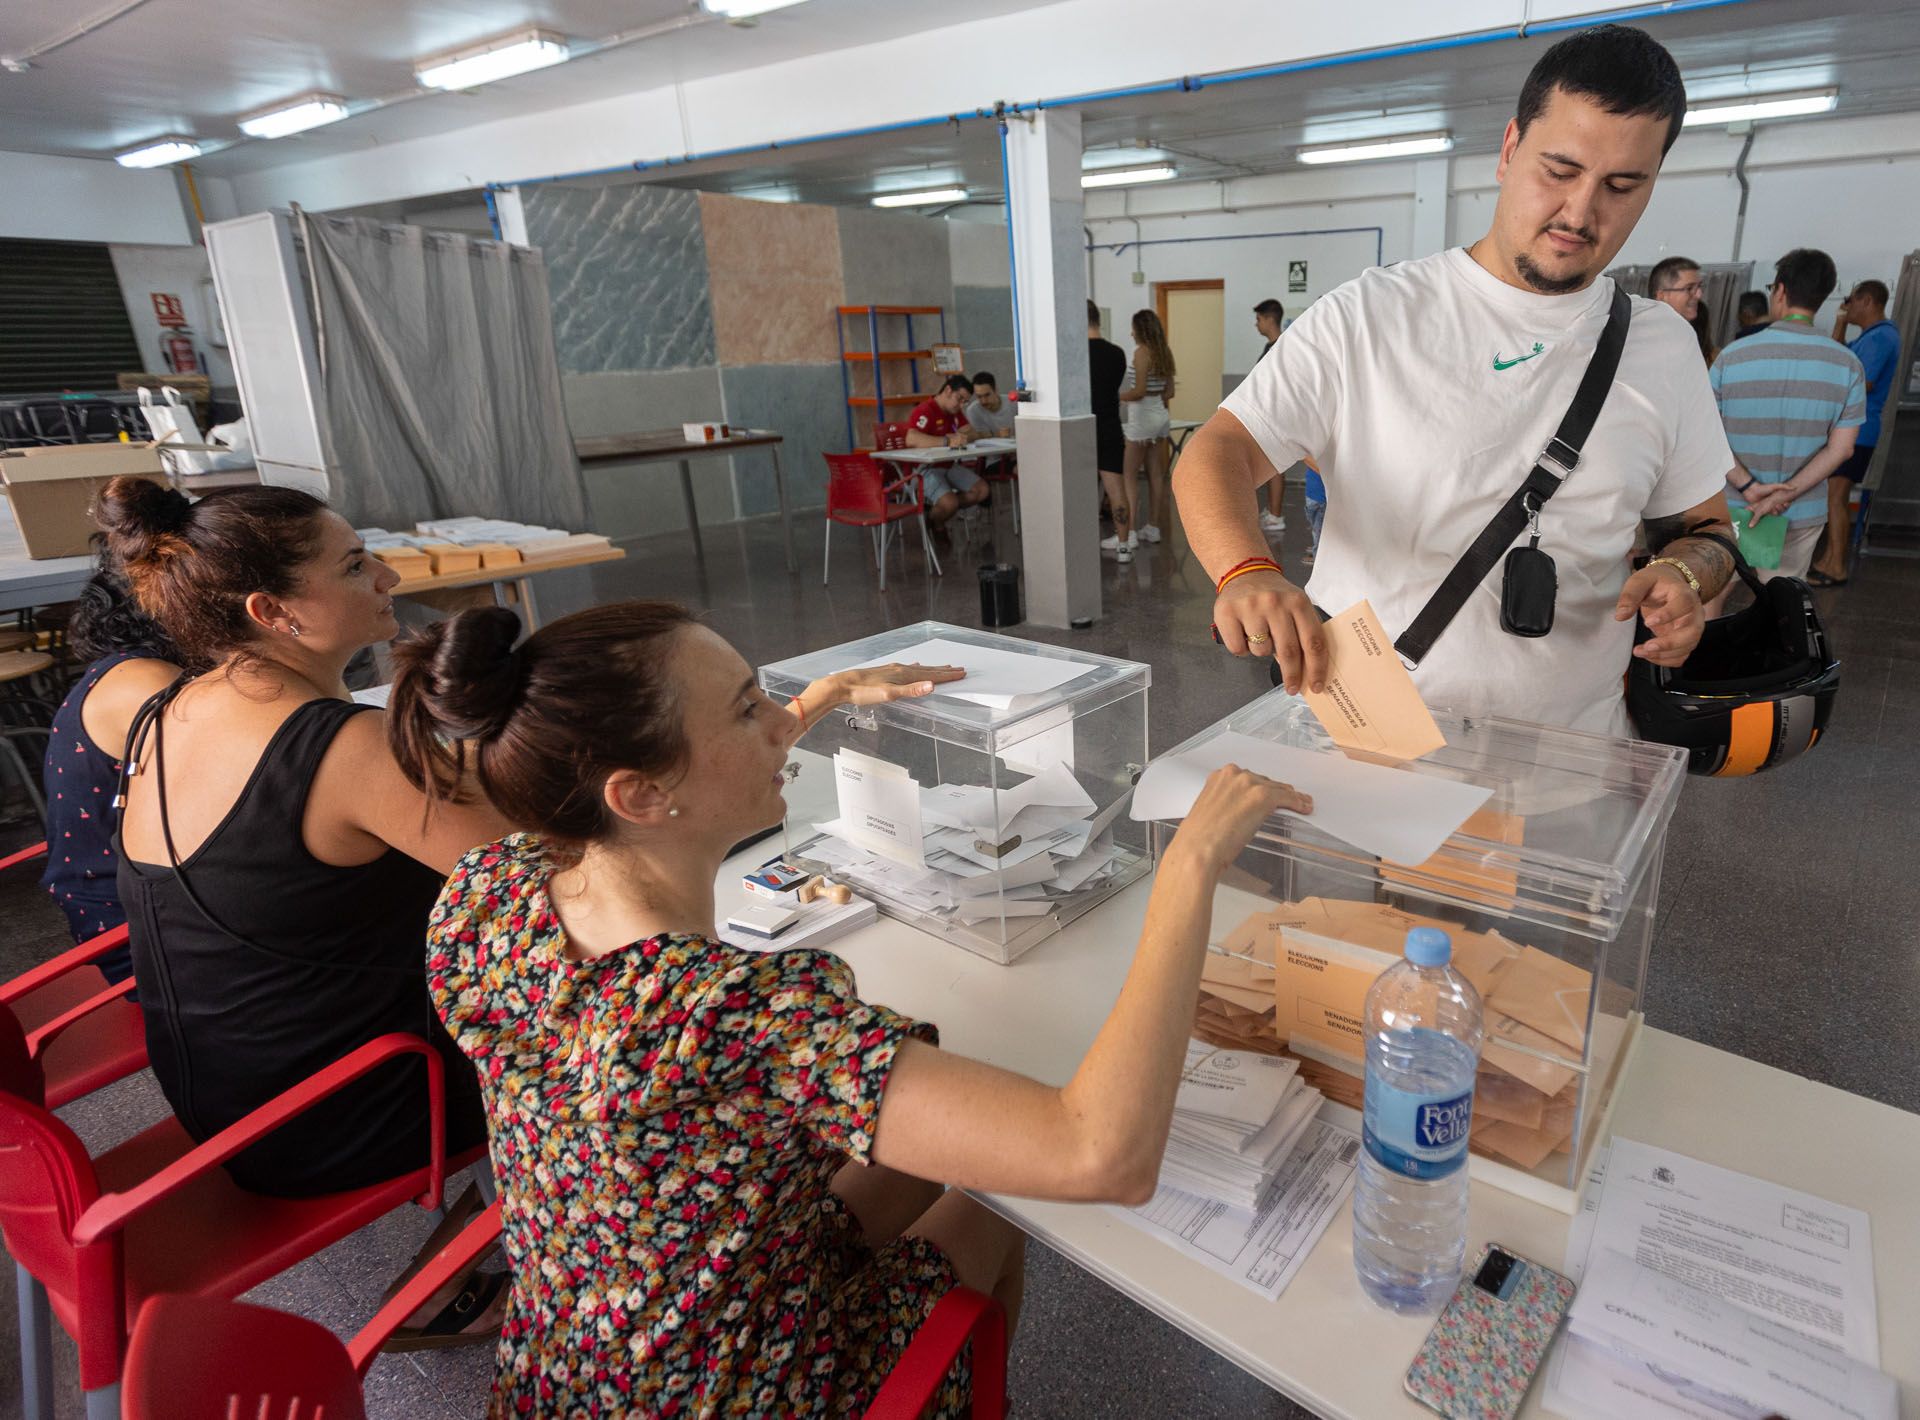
x=993 y=812
x=1548 y=890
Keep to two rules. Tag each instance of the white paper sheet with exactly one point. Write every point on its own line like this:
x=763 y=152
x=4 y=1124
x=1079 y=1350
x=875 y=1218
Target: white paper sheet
x=1050 y=744
x=1263 y=1249
x=1580 y=1231
x=374 y=695
x=879 y=806
x=1722 y=1351
x=1782 y=1255
x=1236 y=1086
x=1075 y=873
x=995 y=678
x=1587 y=1380
x=1391 y=813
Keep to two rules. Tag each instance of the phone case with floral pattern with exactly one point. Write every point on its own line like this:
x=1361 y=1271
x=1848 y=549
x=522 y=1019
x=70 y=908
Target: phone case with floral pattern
x=1481 y=1355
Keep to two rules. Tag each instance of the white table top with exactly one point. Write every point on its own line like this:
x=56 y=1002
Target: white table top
x=978 y=449
x=1322 y=1342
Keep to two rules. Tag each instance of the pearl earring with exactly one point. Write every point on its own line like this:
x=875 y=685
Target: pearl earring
x=293 y=628
x=673 y=813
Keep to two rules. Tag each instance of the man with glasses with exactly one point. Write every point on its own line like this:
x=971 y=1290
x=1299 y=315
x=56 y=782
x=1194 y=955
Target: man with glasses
x=1676 y=281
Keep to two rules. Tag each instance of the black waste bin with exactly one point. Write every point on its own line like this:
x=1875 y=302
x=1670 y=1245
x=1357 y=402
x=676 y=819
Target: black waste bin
x=1000 y=594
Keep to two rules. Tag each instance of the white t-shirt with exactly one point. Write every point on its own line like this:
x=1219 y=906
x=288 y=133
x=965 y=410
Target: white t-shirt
x=1424 y=392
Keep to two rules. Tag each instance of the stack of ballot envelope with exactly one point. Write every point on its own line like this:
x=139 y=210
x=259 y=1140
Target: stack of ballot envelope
x=1236 y=1118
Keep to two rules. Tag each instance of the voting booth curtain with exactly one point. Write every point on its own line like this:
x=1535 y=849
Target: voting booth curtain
x=1905 y=315
x=441 y=383
x=1721 y=283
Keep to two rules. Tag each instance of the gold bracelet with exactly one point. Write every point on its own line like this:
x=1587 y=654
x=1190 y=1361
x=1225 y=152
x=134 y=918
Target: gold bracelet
x=1684 y=570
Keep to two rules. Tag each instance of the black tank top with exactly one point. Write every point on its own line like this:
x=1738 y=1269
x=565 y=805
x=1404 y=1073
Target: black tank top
x=333 y=957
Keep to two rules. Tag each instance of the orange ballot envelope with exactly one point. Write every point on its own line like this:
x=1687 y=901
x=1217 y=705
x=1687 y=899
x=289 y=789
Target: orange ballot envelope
x=1370 y=702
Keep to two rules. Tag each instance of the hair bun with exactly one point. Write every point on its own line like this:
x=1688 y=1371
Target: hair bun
x=475 y=679
x=137 y=510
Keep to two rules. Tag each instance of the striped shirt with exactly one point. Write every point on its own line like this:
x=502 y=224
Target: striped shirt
x=1781 y=392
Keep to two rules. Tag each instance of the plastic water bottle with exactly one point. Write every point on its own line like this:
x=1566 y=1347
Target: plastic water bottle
x=1410 y=1200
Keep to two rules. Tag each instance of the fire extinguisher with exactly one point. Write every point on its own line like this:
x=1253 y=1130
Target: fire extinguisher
x=176 y=347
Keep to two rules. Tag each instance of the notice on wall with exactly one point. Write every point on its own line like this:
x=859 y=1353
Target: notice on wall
x=168 y=310
x=1296 y=278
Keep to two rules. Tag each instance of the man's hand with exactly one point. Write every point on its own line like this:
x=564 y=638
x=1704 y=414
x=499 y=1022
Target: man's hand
x=1769 y=499
x=1263 y=614
x=1670 y=607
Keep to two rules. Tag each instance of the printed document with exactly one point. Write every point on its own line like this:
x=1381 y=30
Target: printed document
x=1784 y=1256
x=879 y=807
x=1263 y=1248
x=1395 y=814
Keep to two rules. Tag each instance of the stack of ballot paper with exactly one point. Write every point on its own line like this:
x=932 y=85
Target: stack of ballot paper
x=961 y=851
x=1236 y=1118
x=1295 y=976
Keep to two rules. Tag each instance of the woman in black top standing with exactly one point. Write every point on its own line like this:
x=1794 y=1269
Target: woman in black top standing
x=276 y=867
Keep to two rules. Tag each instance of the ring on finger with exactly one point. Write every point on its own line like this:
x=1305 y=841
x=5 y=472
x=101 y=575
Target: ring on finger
x=1257 y=640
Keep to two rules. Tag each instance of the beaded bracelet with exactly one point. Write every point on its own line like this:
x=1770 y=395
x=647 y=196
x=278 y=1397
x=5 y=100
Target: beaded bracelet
x=1252 y=564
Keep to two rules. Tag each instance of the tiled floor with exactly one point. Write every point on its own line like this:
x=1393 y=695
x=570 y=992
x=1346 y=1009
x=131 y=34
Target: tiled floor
x=1789 y=922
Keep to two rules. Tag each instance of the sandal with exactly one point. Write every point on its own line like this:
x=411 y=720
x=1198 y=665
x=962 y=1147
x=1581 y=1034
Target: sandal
x=1822 y=579
x=448 y=1327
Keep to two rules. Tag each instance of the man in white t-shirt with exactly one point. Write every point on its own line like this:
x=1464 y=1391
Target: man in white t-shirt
x=1424 y=392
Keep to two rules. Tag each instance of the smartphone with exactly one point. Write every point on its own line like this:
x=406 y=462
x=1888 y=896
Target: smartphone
x=1479 y=1359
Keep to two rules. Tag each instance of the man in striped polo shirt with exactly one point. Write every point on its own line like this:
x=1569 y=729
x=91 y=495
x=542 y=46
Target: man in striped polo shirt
x=1793 y=402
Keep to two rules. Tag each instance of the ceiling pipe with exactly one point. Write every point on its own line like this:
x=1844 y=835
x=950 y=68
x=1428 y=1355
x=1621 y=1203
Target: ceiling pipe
x=22 y=61
x=1746 y=191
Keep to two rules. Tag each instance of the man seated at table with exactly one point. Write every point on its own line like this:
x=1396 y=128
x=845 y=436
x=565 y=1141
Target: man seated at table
x=937 y=423
x=991 y=417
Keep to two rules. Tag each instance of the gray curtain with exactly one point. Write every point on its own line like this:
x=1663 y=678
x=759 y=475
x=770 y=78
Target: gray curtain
x=1721 y=283
x=441 y=385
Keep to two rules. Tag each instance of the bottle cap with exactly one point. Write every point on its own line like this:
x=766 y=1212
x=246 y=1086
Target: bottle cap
x=1429 y=946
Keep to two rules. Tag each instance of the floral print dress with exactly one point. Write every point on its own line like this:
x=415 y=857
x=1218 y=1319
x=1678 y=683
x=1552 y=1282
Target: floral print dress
x=665 y=1121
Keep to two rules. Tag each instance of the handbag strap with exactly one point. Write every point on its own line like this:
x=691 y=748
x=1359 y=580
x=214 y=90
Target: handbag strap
x=1555 y=464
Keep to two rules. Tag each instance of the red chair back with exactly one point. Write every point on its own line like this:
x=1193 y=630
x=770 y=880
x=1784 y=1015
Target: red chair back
x=205 y=1358
x=960 y=1316
x=47 y=1179
x=855 y=485
x=891 y=435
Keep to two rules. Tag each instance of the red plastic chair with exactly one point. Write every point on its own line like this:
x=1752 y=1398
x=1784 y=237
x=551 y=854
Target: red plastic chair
x=158 y=1214
x=205 y=1358
x=208 y=1358
x=79 y=1029
x=890 y=435
x=859 y=495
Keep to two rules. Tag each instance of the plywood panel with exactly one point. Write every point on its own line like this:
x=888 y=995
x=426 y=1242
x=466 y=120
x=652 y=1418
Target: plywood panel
x=775 y=271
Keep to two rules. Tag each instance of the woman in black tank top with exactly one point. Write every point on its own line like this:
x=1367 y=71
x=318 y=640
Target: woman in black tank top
x=276 y=869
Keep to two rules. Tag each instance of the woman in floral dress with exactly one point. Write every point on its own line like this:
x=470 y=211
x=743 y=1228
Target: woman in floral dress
x=722 y=1171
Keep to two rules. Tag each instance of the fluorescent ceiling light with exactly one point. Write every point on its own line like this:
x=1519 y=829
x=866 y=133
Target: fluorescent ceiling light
x=159 y=153
x=1124 y=177
x=1752 y=106
x=1410 y=146
x=743 y=9
x=517 y=53
x=296 y=117
x=930 y=198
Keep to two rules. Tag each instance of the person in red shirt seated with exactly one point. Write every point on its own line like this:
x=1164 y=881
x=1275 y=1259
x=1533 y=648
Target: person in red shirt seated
x=937 y=423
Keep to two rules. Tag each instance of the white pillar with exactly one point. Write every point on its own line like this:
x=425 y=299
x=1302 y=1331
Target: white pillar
x=1432 y=178
x=1059 y=479
x=511 y=214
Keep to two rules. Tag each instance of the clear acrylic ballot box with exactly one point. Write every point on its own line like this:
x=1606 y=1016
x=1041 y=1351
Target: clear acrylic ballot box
x=1548 y=888
x=993 y=812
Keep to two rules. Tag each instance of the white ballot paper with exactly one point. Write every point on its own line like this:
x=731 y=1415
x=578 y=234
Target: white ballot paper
x=1722 y=1352
x=1394 y=814
x=1786 y=1257
x=1263 y=1249
x=879 y=807
x=995 y=678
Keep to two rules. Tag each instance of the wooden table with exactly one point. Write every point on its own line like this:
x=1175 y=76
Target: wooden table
x=519 y=576
x=1321 y=1342
x=670 y=445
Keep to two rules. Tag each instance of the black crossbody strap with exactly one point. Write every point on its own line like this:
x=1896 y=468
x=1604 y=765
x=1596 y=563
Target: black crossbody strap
x=1556 y=462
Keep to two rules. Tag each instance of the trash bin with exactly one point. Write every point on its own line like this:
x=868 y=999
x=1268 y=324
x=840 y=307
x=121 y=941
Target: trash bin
x=1000 y=594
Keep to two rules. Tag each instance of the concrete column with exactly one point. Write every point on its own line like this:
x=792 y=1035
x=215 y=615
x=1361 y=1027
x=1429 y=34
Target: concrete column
x=511 y=214
x=1059 y=478
x=1432 y=177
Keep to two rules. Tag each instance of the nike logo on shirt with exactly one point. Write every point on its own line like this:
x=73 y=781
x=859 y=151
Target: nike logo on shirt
x=1500 y=364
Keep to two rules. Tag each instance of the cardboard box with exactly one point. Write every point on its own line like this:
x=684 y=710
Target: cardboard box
x=53 y=489
x=409 y=562
x=447 y=558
